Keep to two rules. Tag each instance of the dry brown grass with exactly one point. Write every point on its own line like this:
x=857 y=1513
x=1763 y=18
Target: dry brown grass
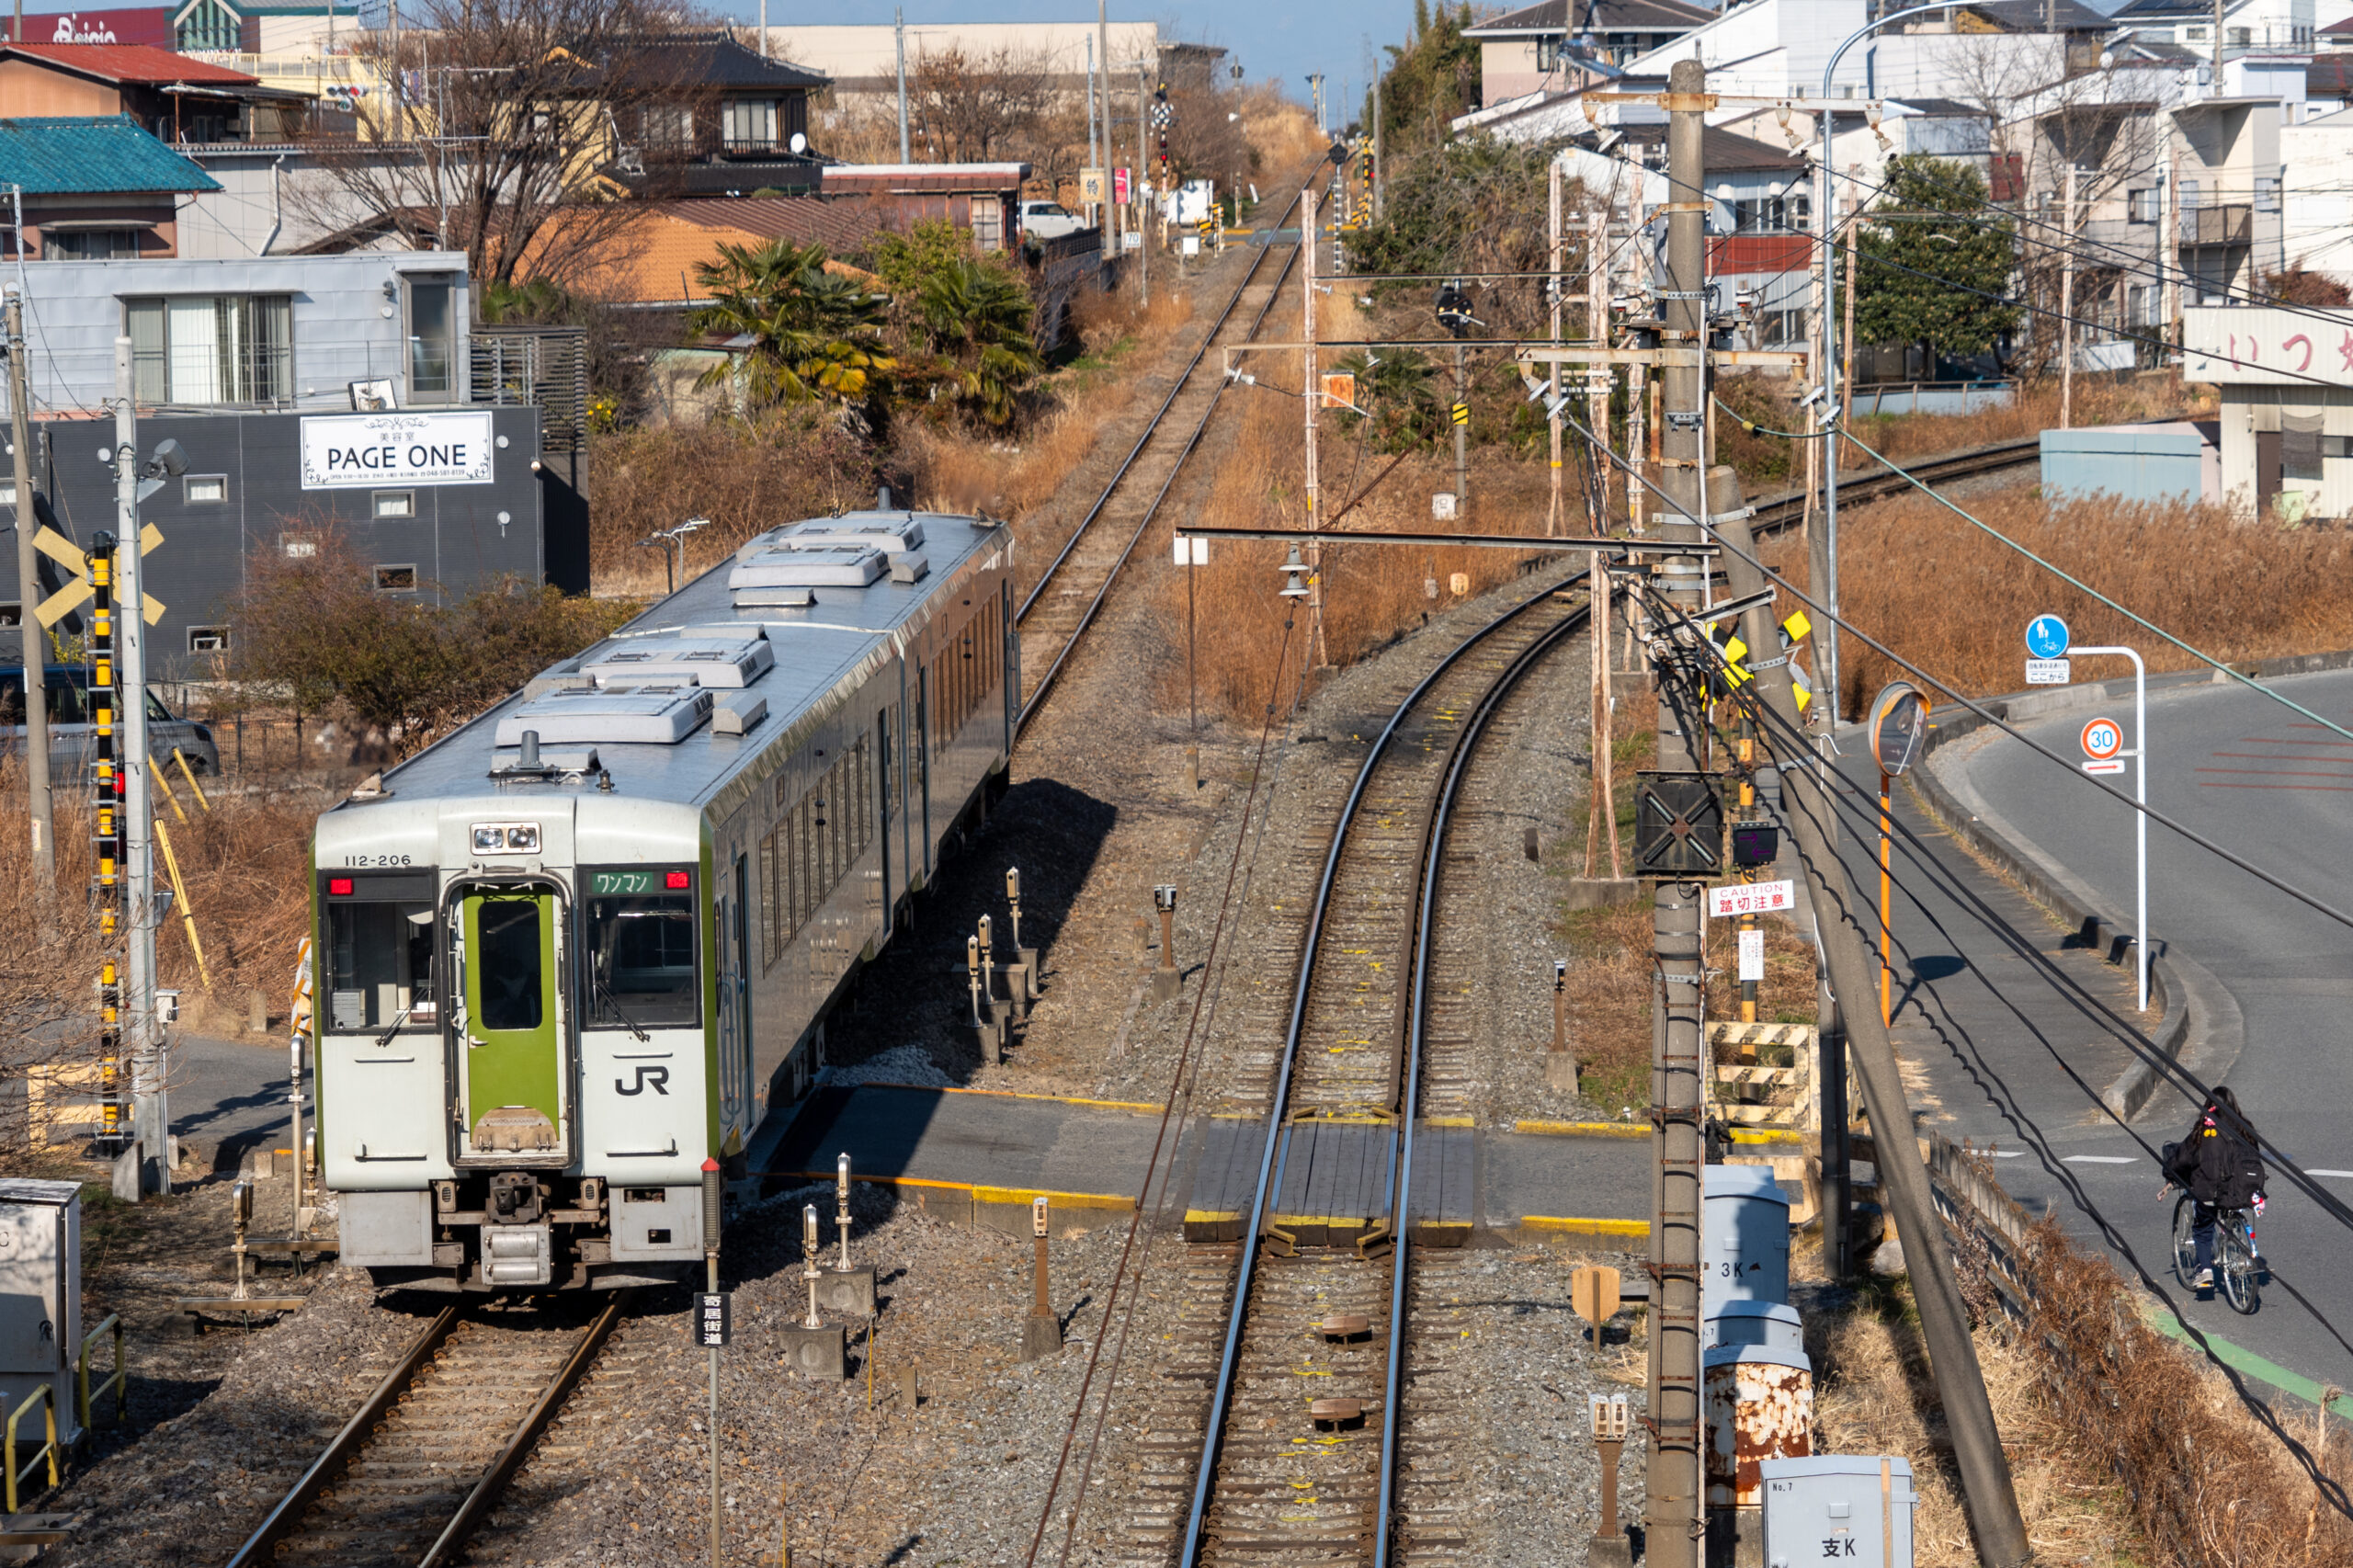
x=1954 y=601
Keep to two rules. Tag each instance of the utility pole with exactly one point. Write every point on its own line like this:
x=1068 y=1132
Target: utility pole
x=1094 y=146
x=1144 y=215
x=1381 y=175
x=1315 y=397
x=1672 y=1478
x=1986 y=1486
x=764 y=25
x=2067 y=310
x=1599 y=379
x=151 y=1120
x=1103 y=90
x=899 y=37
x=29 y=631
x=1552 y=521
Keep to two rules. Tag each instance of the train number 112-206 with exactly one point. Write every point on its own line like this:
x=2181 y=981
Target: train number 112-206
x=376 y=859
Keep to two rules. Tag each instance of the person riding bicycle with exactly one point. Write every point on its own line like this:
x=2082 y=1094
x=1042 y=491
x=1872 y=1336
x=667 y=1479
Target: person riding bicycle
x=2217 y=1165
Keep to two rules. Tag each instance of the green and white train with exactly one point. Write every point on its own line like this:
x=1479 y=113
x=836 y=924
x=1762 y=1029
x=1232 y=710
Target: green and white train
x=588 y=941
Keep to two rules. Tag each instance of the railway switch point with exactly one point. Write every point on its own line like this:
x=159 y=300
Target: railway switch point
x=1343 y=1327
x=1336 y=1414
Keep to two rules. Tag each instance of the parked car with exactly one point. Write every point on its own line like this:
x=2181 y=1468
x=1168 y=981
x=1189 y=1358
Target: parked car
x=73 y=742
x=1048 y=220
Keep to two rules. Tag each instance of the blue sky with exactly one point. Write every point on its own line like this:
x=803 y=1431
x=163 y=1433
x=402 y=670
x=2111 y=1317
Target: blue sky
x=1283 y=43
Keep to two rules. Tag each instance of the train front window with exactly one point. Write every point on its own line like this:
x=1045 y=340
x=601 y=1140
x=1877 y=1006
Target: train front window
x=380 y=968
x=641 y=948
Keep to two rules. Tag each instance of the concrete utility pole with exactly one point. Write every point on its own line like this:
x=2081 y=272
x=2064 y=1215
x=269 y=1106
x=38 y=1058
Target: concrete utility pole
x=764 y=25
x=1986 y=1486
x=2067 y=310
x=1553 y=389
x=1671 y=1510
x=1103 y=90
x=151 y=1118
x=1314 y=399
x=899 y=38
x=1143 y=162
x=1380 y=160
x=29 y=631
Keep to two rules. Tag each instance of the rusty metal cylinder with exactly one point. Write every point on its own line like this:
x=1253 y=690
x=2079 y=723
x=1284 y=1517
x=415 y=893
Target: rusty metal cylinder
x=1759 y=1402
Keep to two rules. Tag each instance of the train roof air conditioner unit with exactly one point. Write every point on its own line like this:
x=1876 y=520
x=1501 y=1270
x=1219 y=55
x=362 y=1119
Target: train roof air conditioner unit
x=646 y=715
x=716 y=657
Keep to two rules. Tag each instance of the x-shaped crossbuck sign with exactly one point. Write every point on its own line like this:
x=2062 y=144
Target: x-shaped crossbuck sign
x=68 y=554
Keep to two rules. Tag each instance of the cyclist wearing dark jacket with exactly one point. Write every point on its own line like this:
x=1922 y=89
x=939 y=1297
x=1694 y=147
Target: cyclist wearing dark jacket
x=2217 y=1165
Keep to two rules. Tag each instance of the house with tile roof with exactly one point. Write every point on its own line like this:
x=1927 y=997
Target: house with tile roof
x=93 y=189
x=180 y=100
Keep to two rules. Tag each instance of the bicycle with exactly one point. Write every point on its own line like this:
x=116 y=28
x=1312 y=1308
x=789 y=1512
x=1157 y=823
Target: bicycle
x=2238 y=1266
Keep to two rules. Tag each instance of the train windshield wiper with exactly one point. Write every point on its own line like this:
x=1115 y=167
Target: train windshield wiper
x=401 y=1017
x=614 y=1002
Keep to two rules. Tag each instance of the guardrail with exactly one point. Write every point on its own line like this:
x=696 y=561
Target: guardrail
x=45 y=1396
x=119 y=1381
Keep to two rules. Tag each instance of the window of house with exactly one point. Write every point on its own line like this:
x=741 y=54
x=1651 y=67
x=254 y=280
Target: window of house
x=670 y=125
x=2300 y=455
x=2193 y=35
x=988 y=222
x=207 y=638
x=204 y=489
x=396 y=579
x=212 y=348
x=748 y=122
x=2239 y=38
x=1548 y=54
x=2140 y=206
x=395 y=503
x=432 y=335
x=2266 y=193
x=89 y=244
x=209 y=25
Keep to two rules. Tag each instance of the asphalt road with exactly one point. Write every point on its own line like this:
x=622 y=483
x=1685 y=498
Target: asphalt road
x=2277 y=789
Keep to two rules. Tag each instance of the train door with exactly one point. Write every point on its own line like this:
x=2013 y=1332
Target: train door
x=921 y=734
x=882 y=777
x=734 y=989
x=514 y=1089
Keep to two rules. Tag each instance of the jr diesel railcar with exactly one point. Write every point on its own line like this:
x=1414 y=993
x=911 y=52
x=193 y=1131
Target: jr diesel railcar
x=588 y=941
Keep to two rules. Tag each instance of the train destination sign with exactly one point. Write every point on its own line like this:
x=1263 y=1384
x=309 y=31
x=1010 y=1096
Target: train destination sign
x=371 y=451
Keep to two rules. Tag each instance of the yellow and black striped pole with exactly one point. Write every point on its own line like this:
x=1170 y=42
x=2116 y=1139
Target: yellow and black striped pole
x=105 y=777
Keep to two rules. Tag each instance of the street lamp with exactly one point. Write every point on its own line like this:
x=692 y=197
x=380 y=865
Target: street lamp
x=664 y=539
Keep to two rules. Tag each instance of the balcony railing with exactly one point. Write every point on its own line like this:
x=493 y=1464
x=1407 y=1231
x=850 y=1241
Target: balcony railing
x=2225 y=223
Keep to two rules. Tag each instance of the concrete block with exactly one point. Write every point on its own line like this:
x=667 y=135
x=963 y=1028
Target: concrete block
x=1031 y=972
x=1601 y=893
x=1017 y=986
x=1165 y=984
x=849 y=1292
x=1610 y=1551
x=910 y=1387
x=1561 y=1071
x=1040 y=1337
x=822 y=1353
x=989 y=1041
x=256 y=1012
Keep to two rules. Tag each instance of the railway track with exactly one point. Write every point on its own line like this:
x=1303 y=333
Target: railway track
x=1277 y=1433
x=411 y=1477
x=1785 y=511
x=1070 y=593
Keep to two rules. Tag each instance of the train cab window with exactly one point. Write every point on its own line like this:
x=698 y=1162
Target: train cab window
x=380 y=969
x=641 y=950
x=509 y=965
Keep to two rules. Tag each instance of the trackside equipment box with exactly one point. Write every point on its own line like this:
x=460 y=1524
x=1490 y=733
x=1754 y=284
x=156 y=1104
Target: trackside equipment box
x=1853 y=1509
x=1743 y=1238
x=40 y=1299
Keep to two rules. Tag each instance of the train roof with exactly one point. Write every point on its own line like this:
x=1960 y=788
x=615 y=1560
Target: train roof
x=677 y=703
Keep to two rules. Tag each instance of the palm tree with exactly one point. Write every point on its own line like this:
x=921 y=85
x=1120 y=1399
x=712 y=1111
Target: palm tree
x=979 y=317
x=814 y=335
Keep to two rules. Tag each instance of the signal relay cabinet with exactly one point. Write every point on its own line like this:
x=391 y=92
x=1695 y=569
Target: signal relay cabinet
x=1845 y=1509
x=40 y=1300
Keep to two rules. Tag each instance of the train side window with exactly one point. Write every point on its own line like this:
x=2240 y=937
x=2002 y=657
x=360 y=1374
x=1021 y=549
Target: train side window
x=771 y=906
x=380 y=966
x=641 y=950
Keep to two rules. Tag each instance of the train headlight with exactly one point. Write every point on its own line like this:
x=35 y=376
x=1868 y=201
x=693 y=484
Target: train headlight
x=489 y=838
x=523 y=836
x=506 y=837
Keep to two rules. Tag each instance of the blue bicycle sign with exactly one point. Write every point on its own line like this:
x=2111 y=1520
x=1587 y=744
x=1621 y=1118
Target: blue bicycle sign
x=2046 y=637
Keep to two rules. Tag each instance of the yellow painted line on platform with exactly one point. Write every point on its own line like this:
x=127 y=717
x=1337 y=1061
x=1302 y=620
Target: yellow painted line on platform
x=1582 y=1227
x=1018 y=1195
x=1745 y=1135
x=1452 y=1121
x=1019 y=1094
x=1585 y=1129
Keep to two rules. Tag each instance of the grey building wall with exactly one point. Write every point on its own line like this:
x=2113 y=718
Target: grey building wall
x=456 y=542
x=349 y=313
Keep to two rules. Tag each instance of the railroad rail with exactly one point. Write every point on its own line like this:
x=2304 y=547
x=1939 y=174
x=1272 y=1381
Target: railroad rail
x=1070 y=593
x=1330 y=1296
x=1783 y=511
x=411 y=1477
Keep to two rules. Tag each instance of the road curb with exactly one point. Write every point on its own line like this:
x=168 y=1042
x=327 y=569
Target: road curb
x=2197 y=1006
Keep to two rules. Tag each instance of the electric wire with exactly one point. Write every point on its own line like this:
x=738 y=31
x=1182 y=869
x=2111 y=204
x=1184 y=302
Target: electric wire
x=2189 y=834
